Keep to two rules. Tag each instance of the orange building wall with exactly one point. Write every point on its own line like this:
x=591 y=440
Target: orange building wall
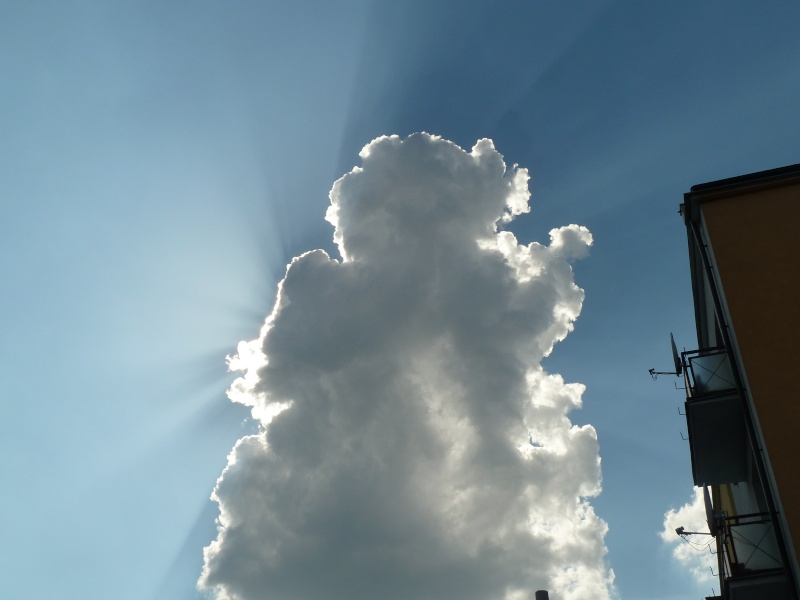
x=755 y=240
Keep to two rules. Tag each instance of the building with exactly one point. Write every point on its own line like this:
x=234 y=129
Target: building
x=743 y=380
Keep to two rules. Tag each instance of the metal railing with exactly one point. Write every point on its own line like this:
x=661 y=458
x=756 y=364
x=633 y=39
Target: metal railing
x=749 y=544
x=707 y=371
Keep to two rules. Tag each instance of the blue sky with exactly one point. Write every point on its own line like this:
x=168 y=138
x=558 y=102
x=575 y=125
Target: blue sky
x=163 y=162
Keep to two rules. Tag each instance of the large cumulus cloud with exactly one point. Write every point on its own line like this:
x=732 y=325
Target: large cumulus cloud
x=412 y=447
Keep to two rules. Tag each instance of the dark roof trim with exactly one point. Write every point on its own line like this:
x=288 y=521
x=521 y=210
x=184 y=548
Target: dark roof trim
x=761 y=176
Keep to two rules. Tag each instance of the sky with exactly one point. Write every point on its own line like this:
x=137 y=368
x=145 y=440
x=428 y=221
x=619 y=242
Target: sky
x=162 y=163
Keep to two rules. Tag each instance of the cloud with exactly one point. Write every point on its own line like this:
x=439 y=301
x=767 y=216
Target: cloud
x=412 y=447
x=694 y=556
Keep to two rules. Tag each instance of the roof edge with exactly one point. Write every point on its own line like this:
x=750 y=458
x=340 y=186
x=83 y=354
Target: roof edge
x=760 y=176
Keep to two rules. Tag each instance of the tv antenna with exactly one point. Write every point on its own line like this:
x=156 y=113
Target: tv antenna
x=676 y=360
x=681 y=531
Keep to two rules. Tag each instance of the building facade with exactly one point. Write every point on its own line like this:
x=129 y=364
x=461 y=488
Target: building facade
x=743 y=379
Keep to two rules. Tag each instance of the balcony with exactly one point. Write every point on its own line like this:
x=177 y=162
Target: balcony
x=717 y=435
x=751 y=545
x=752 y=561
x=707 y=372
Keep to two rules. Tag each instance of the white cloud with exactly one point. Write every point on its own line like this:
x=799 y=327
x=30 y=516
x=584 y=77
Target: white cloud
x=412 y=447
x=696 y=556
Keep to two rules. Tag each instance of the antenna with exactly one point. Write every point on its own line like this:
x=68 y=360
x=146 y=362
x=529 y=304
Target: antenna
x=676 y=359
x=681 y=531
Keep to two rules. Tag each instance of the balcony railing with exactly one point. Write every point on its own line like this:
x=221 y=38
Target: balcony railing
x=750 y=544
x=707 y=371
x=752 y=565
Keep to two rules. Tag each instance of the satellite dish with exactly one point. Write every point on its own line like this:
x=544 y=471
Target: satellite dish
x=675 y=356
x=676 y=359
x=712 y=523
